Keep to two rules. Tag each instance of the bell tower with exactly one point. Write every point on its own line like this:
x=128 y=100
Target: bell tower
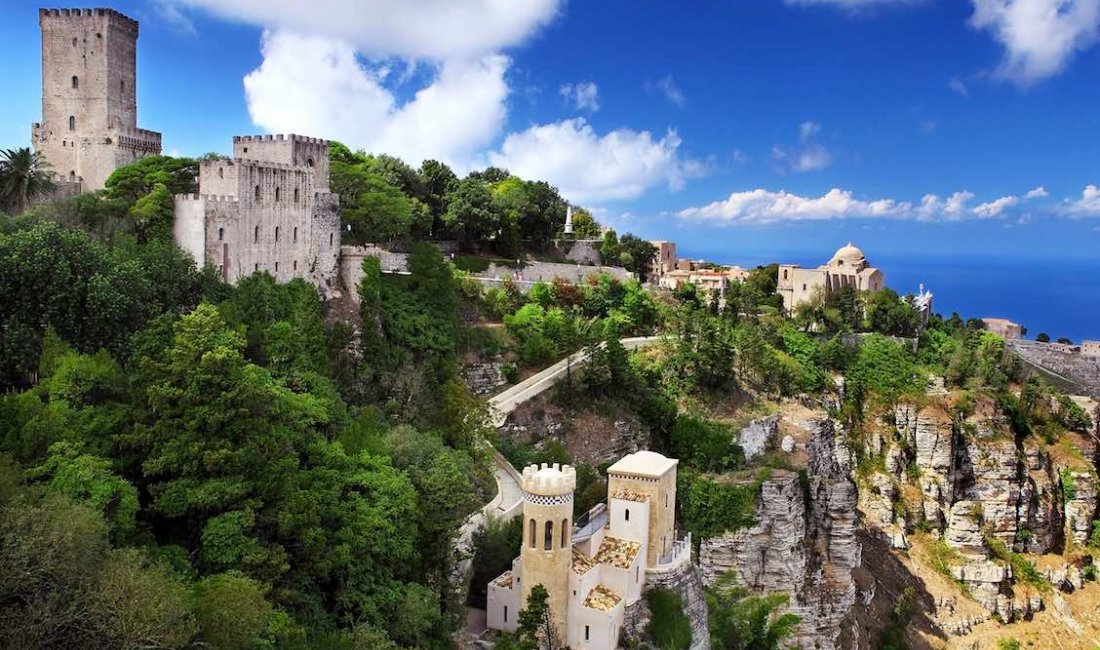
x=547 y=551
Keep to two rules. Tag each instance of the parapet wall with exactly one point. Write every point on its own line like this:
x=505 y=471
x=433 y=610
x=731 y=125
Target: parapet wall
x=549 y=480
x=113 y=17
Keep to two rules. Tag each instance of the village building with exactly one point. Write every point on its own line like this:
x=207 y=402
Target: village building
x=1004 y=328
x=1090 y=348
x=848 y=267
x=594 y=572
x=89 y=98
x=664 y=261
x=266 y=208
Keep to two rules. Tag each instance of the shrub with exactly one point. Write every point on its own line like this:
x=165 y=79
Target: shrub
x=669 y=628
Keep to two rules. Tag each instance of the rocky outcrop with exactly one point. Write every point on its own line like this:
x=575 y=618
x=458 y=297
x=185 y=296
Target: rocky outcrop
x=758 y=436
x=485 y=377
x=1080 y=504
x=992 y=481
x=683 y=580
x=804 y=543
x=931 y=437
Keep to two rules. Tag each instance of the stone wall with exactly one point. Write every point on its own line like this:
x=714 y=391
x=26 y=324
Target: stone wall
x=581 y=251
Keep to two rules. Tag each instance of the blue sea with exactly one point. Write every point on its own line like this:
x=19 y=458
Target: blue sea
x=1058 y=296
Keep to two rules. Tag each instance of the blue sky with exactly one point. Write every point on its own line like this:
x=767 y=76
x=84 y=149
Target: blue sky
x=744 y=129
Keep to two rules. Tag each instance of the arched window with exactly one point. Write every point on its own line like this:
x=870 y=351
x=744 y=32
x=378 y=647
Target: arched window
x=257 y=192
x=276 y=195
x=276 y=233
x=72 y=176
x=221 y=234
x=784 y=274
x=531 y=532
x=295 y=234
x=256 y=267
x=548 y=538
x=309 y=162
x=74 y=41
x=76 y=82
x=221 y=173
x=256 y=235
x=628 y=514
x=295 y=194
x=72 y=122
x=121 y=85
x=564 y=532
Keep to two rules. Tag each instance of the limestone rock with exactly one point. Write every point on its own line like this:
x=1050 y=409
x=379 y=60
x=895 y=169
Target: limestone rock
x=758 y=436
x=964 y=529
x=485 y=377
x=933 y=440
x=1081 y=509
x=991 y=471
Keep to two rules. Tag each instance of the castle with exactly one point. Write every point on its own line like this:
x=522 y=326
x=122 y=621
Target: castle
x=592 y=573
x=89 y=97
x=266 y=208
x=848 y=267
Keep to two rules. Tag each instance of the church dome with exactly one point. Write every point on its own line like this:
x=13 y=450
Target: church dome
x=848 y=255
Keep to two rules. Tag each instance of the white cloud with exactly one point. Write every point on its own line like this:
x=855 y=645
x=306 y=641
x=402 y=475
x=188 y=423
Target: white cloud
x=760 y=206
x=583 y=96
x=667 y=87
x=411 y=29
x=586 y=166
x=809 y=156
x=1087 y=206
x=1039 y=36
x=1037 y=193
x=318 y=86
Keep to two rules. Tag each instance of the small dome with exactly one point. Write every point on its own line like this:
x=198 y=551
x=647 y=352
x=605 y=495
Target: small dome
x=848 y=255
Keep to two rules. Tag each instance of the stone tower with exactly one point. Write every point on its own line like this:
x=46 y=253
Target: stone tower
x=547 y=552
x=89 y=97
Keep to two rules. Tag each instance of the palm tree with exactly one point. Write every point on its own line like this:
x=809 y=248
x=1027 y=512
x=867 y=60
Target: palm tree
x=24 y=176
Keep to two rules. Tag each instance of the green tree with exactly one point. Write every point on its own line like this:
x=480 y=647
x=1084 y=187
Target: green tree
x=742 y=622
x=636 y=255
x=470 y=216
x=585 y=225
x=24 y=176
x=1043 y=337
x=537 y=629
x=231 y=611
x=132 y=182
x=669 y=628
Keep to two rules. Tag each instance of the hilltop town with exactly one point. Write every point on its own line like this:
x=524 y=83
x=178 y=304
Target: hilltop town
x=300 y=396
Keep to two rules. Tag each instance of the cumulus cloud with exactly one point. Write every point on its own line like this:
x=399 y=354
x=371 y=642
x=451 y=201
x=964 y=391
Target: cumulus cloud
x=1040 y=37
x=760 y=206
x=319 y=86
x=1087 y=206
x=1037 y=193
x=586 y=166
x=582 y=96
x=411 y=29
x=810 y=155
x=668 y=88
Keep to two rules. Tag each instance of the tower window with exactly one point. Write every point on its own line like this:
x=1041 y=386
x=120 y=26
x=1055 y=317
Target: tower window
x=295 y=194
x=276 y=233
x=628 y=514
x=72 y=122
x=257 y=192
x=121 y=85
x=531 y=532
x=564 y=532
x=74 y=41
x=585 y=632
x=72 y=176
x=548 y=537
x=330 y=239
x=76 y=81
x=256 y=235
x=256 y=267
x=276 y=195
x=276 y=267
x=221 y=234
x=505 y=613
x=295 y=234
x=221 y=173
x=295 y=265
x=309 y=162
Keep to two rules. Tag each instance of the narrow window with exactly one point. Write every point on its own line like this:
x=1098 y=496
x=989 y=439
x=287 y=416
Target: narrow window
x=72 y=122
x=276 y=195
x=257 y=192
x=255 y=267
x=637 y=572
x=330 y=239
x=531 y=534
x=256 y=235
x=121 y=85
x=564 y=532
x=585 y=632
x=246 y=149
x=628 y=514
x=76 y=82
x=548 y=538
x=295 y=265
x=74 y=41
x=309 y=162
x=295 y=234
x=505 y=613
x=276 y=233
x=784 y=274
x=221 y=234
x=666 y=499
x=72 y=177
x=276 y=267
x=295 y=194
x=803 y=287
x=221 y=173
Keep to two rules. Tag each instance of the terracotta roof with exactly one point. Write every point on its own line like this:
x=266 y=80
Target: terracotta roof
x=618 y=552
x=504 y=580
x=602 y=598
x=582 y=564
x=629 y=495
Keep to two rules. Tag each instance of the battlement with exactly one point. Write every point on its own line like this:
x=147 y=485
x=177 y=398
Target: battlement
x=113 y=17
x=267 y=164
x=209 y=198
x=549 y=480
x=279 y=137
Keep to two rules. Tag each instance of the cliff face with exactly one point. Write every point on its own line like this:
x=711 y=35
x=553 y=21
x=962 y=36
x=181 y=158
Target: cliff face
x=974 y=522
x=804 y=541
